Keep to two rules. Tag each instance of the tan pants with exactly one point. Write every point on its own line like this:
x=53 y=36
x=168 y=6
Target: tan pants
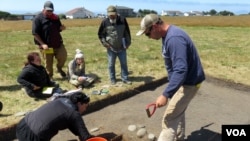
x=173 y=123
x=61 y=56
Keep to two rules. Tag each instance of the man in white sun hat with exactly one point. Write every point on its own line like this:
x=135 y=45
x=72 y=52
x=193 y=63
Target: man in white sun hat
x=185 y=74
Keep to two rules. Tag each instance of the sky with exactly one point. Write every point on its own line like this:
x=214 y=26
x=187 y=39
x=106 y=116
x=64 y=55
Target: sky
x=100 y=6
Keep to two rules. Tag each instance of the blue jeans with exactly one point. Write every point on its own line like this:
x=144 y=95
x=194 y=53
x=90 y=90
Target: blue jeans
x=122 y=55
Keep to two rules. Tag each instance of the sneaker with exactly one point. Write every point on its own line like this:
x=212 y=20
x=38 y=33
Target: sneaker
x=62 y=73
x=127 y=82
x=113 y=82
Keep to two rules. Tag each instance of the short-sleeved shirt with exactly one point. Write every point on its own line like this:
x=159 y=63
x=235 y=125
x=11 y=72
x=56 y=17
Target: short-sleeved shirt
x=48 y=29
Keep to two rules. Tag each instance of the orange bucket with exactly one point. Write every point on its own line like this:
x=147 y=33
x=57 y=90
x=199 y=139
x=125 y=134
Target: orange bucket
x=97 y=139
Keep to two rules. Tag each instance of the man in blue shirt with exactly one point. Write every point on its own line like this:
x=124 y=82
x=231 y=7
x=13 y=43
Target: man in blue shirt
x=185 y=74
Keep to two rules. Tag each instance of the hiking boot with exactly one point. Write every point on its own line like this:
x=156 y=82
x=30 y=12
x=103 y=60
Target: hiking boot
x=1 y=106
x=62 y=73
x=127 y=82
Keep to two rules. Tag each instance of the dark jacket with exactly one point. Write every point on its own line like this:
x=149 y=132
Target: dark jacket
x=32 y=75
x=112 y=34
x=60 y=114
x=48 y=29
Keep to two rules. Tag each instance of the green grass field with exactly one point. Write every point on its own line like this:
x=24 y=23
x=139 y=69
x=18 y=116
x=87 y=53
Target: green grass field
x=223 y=44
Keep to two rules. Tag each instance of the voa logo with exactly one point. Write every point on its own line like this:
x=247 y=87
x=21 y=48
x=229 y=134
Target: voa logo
x=236 y=132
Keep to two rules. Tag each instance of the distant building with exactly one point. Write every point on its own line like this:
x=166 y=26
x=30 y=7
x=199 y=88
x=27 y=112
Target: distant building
x=101 y=16
x=125 y=11
x=197 y=13
x=28 y=16
x=171 y=13
x=193 y=13
x=79 y=13
x=179 y=13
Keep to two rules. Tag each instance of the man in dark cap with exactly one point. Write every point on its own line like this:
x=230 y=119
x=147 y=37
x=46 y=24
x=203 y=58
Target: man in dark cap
x=46 y=30
x=114 y=34
x=185 y=74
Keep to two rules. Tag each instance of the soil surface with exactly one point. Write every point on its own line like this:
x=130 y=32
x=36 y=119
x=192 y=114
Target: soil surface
x=216 y=103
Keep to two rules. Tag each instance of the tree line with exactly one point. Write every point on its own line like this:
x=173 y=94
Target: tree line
x=212 y=12
x=141 y=12
x=8 y=16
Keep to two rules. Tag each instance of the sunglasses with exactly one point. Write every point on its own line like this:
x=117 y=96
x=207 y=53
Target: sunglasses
x=149 y=31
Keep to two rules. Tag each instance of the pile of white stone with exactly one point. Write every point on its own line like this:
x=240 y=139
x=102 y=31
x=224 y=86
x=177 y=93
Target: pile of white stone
x=141 y=131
